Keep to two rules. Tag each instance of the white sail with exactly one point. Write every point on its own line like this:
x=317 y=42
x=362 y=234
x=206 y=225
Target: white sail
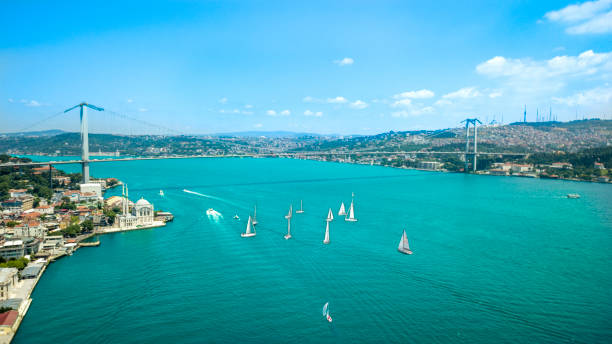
x=326 y=309
x=342 y=212
x=255 y=216
x=403 y=244
x=351 y=213
x=248 y=232
x=248 y=227
x=330 y=215
x=326 y=240
x=288 y=217
x=301 y=210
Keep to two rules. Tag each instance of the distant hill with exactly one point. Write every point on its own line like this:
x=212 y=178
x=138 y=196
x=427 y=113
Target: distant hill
x=51 y=132
x=271 y=134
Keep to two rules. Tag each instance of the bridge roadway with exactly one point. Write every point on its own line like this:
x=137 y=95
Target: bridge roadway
x=296 y=154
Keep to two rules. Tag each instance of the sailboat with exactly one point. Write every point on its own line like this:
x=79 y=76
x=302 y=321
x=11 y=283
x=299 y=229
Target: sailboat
x=301 y=210
x=342 y=212
x=288 y=217
x=330 y=215
x=161 y=193
x=248 y=232
x=255 y=216
x=351 y=214
x=403 y=244
x=326 y=240
x=326 y=312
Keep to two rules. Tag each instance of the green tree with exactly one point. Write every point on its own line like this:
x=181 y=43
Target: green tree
x=87 y=226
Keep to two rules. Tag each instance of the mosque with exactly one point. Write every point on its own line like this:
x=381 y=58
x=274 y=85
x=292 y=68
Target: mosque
x=141 y=214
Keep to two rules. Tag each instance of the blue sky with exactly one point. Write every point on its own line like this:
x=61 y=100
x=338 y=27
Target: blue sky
x=344 y=67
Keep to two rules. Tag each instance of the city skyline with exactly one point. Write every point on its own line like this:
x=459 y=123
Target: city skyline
x=346 y=68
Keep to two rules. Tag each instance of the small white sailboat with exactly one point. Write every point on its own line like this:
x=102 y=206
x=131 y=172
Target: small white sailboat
x=255 y=216
x=330 y=215
x=288 y=217
x=301 y=210
x=161 y=193
x=342 y=211
x=326 y=240
x=248 y=232
x=236 y=217
x=326 y=312
x=403 y=244
x=351 y=214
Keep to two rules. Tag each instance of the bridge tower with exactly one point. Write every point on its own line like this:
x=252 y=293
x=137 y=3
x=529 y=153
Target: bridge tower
x=85 y=137
x=474 y=122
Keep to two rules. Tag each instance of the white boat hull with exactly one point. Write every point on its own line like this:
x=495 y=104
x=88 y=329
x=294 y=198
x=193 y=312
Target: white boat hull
x=299 y=211
x=350 y=220
x=326 y=242
x=288 y=236
x=404 y=251
x=247 y=235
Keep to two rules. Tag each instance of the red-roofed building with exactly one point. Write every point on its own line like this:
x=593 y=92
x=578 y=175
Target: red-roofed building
x=7 y=320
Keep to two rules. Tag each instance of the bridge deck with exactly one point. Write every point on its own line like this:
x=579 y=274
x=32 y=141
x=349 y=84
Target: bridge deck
x=300 y=154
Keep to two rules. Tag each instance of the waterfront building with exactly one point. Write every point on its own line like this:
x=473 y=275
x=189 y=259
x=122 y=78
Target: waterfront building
x=8 y=279
x=12 y=249
x=561 y=165
x=430 y=165
x=7 y=321
x=95 y=188
x=598 y=166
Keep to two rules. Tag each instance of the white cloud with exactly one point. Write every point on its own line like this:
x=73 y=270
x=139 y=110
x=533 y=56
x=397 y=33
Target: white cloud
x=285 y=113
x=271 y=113
x=143 y=109
x=442 y=102
x=420 y=94
x=577 y=12
x=309 y=99
x=599 y=24
x=593 y=96
x=11 y=100
x=223 y=100
x=527 y=75
x=402 y=103
x=337 y=100
x=590 y=17
x=464 y=93
x=248 y=106
x=258 y=125
x=358 y=104
x=130 y=100
x=314 y=114
x=31 y=103
x=347 y=61
x=413 y=113
x=423 y=111
x=495 y=94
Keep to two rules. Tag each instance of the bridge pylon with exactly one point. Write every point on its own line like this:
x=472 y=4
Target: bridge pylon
x=85 y=137
x=474 y=122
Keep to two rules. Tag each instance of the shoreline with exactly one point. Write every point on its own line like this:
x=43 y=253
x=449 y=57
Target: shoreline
x=27 y=300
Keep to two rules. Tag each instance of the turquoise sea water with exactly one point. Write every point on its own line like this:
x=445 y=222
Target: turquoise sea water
x=496 y=259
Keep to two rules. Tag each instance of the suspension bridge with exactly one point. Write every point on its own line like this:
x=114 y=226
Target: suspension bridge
x=86 y=160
